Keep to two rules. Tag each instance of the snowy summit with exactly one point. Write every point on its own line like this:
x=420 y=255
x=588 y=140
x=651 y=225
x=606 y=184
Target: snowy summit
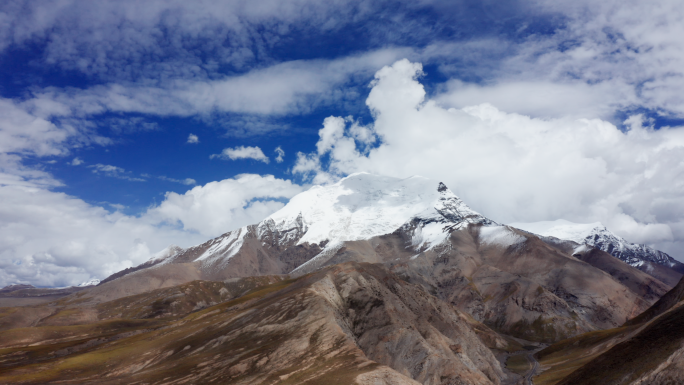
x=362 y=206
x=358 y=207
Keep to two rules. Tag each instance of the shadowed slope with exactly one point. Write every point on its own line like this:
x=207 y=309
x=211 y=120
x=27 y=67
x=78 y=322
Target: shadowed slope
x=653 y=356
x=649 y=349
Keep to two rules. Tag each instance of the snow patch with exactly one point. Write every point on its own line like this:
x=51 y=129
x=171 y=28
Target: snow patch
x=321 y=258
x=429 y=235
x=581 y=249
x=91 y=282
x=166 y=255
x=500 y=236
x=224 y=247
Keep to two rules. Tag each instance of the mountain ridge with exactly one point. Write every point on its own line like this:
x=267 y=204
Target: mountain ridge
x=597 y=235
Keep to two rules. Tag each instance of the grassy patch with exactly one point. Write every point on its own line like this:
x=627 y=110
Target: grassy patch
x=566 y=356
x=519 y=364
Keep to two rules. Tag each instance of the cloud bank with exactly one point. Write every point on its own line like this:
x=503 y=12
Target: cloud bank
x=52 y=239
x=511 y=167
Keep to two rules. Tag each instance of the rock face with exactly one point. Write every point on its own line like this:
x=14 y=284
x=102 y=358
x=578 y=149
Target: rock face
x=519 y=285
x=598 y=236
x=346 y=324
x=509 y=279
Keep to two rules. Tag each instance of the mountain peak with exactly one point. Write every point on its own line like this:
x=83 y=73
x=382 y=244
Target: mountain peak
x=364 y=205
x=597 y=235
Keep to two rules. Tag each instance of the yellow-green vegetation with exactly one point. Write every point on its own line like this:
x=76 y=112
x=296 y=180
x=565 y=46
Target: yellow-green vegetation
x=566 y=356
x=28 y=336
x=181 y=300
x=62 y=314
x=540 y=330
x=86 y=351
x=518 y=363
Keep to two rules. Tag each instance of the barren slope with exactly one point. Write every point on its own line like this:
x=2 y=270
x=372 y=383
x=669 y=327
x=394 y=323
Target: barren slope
x=349 y=323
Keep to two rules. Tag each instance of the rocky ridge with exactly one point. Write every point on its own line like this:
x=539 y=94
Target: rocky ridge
x=597 y=235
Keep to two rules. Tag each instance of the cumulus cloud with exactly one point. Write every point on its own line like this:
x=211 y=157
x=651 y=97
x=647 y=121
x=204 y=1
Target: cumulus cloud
x=76 y=162
x=192 y=138
x=512 y=167
x=280 y=154
x=217 y=207
x=242 y=152
x=52 y=239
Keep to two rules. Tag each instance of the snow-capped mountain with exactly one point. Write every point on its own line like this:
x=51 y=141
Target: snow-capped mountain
x=362 y=206
x=598 y=236
x=417 y=229
x=358 y=207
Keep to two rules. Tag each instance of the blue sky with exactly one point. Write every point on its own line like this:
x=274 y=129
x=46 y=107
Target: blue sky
x=528 y=110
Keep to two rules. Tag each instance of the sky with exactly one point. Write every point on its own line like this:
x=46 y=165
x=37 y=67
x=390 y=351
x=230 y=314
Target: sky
x=128 y=126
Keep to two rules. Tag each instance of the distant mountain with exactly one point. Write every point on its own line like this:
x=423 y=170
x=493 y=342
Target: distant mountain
x=598 y=236
x=16 y=287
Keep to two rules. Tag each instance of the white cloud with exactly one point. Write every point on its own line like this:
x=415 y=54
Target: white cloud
x=285 y=88
x=192 y=138
x=604 y=56
x=24 y=133
x=186 y=181
x=281 y=154
x=114 y=172
x=217 y=207
x=242 y=152
x=76 y=162
x=122 y=38
x=14 y=173
x=540 y=98
x=52 y=239
x=512 y=167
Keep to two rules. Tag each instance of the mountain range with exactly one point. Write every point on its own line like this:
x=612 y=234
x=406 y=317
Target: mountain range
x=371 y=280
